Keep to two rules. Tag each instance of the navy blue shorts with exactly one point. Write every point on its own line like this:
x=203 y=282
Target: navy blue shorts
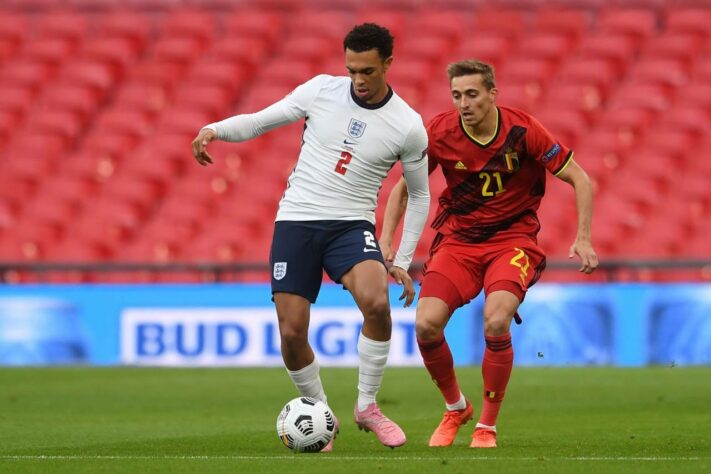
x=302 y=250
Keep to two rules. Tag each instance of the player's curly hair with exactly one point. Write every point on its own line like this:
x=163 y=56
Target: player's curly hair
x=369 y=36
x=472 y=66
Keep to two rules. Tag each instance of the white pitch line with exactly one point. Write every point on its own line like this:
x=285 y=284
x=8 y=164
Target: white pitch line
x=314 y=457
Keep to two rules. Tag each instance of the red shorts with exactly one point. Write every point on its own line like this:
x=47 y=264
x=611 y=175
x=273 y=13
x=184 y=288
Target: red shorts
x=456 y=271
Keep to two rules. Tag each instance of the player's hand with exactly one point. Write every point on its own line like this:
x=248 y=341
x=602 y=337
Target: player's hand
x=200 y=146
x=585 y=252
x=386 y=248
x=403 y=278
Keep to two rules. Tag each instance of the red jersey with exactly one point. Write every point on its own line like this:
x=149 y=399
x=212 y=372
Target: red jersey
x=494 y=186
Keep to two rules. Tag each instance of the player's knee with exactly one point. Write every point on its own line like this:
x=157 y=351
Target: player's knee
x=293 y=335
x=427 y=330
x=376 y=310
x=496 y=322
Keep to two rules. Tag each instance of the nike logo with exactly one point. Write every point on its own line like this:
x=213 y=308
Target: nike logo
x=366 y=249
x=349 y=143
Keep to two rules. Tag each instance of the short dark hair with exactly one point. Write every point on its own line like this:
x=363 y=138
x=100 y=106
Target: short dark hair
x=472 y=66
x=369 y=36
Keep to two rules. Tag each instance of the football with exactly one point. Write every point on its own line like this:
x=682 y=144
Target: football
x=305 y=425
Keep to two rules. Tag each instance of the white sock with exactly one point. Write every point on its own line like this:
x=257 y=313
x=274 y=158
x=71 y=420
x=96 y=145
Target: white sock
x=308 y=381
x=460 y=405
x=373 y=356
x=486 y=427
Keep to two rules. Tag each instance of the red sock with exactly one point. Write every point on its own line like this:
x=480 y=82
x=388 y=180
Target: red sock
x=496 y=370
x=440 y=365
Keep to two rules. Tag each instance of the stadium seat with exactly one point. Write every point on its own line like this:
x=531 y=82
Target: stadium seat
x=52 y=51
x=80 y=101
x=688 y=20
x=25 y=73
x=177 y=50
x=16 y=100
x=63 y=24
x=437 y=22
x=255 y=22
x=637 y=23
x=196 y=24
x=131 y=25
x=393 y=19
x=499 y=21
x=421 y=46
x=616 y=48
x=490 y=48
x=247 y=50
x=546 y=46
x=572 y=23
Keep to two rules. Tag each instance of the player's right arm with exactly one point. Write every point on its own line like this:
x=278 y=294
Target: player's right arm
x=246 y=126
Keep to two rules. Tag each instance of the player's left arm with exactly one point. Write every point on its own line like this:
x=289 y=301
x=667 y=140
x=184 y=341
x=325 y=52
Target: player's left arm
x=415 y=172
x=574 y=175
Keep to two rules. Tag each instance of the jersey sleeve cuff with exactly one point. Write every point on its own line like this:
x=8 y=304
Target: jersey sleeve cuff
x=565 y=164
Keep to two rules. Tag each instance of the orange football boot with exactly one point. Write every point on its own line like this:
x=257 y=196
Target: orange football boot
x=449 y=426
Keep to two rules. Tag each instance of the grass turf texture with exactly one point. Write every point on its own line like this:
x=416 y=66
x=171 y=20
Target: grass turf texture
x=223 y=420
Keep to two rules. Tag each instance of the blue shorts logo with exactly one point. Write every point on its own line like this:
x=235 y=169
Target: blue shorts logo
x=356 y=128
x=279 y=270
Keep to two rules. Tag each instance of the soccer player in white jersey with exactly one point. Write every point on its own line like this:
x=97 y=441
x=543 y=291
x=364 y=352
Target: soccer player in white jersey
x=355 y=130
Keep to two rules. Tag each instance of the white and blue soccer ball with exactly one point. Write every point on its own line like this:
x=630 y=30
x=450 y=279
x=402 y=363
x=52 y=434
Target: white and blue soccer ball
x=306 y=425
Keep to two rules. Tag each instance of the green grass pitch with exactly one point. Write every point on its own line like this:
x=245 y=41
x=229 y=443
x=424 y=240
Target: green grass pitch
x=572 y=420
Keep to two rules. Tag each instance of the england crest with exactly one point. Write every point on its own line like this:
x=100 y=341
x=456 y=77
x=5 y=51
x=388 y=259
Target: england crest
x=356 y=128
x=279 y=270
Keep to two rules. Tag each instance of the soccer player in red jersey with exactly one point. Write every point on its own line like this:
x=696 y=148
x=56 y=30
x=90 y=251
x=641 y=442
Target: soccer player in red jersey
x=494 y=159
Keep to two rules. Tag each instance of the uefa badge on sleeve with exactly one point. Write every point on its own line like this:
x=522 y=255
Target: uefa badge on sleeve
x=279 y=270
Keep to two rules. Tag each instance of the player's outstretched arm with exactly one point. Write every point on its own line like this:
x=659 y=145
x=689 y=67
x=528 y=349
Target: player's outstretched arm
x=394 y=209
x=200 y=142
x=574 y=175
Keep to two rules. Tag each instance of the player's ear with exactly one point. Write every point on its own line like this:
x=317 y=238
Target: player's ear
x=387 y=63
x=494 y=92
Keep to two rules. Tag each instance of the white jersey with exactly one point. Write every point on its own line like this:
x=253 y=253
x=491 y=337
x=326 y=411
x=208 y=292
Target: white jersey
x=348 y=147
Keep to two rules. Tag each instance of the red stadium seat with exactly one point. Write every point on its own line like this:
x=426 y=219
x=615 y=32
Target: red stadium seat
x=197 y=24
x=572 y=23
x=616 y=48
x=667 y=72
x=225 y=74
x=24 y=73
x=117 y=52
x=490 y=48
x=16 y=99
x=675 y=46
x=256 y=22
x=247 y=50
x=286 y=71
x=688 y=20
x=448 y=24
x=62 y=24
x=328 y=23
x=547 y=46
x=177 y=50
x=78 y=100
x=637 y=23
x=309 y=47
x=386 y=15
x=419 y=46
x=52 y=51
x=511 y=23
x=133 y=26
x=141 y=97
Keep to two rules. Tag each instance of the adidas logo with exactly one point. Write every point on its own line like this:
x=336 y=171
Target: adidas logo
x=460 y=166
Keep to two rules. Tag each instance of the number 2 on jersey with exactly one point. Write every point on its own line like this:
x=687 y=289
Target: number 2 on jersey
x=341 y=165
